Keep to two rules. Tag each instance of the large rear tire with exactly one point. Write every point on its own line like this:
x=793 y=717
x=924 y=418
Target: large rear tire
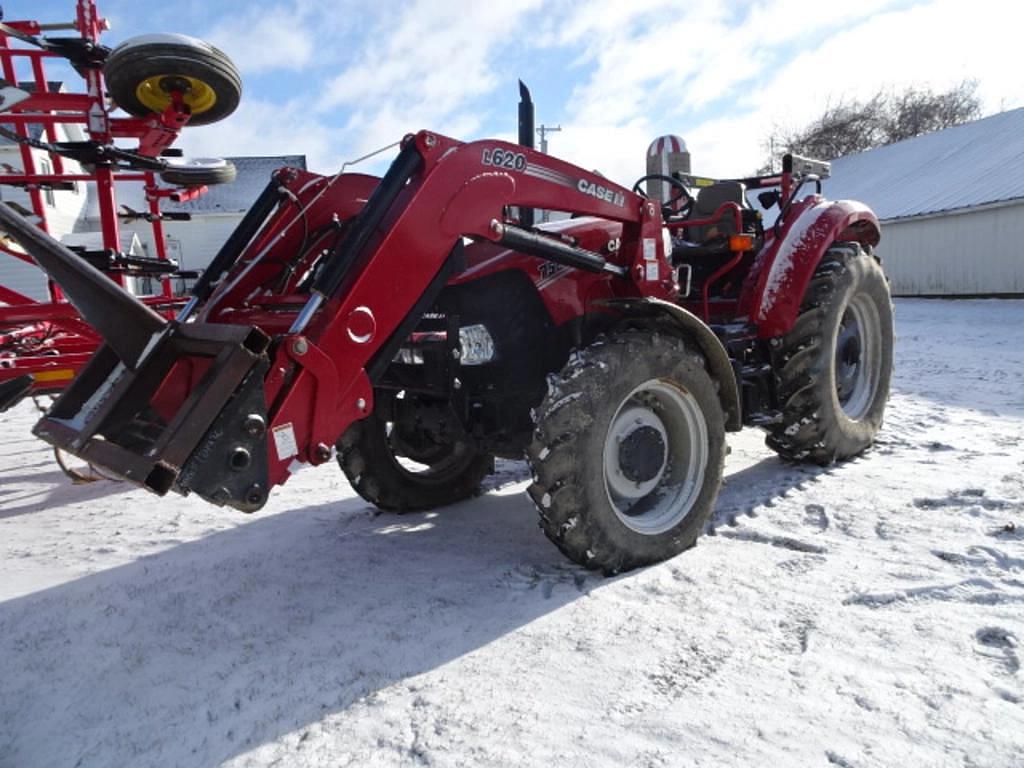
x=142 y=72
x=628 y=452
x=837 y=361
x=404 y=470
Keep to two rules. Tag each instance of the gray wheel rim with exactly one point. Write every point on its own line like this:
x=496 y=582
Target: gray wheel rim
x=858 y=347
x=664 y=494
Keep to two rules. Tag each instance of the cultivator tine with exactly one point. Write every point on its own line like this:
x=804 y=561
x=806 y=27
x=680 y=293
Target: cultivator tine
x=126 y=324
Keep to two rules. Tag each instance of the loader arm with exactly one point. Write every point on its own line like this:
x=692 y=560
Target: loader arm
x=264 y=369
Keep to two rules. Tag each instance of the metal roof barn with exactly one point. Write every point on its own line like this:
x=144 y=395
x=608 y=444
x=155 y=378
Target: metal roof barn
x=951 y=205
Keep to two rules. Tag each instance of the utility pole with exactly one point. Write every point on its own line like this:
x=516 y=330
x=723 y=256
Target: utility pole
x=544 y=130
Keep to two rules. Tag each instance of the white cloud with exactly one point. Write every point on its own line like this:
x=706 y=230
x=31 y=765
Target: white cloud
x=423 y=68
x=661 y=68
x=266 y=38
x=265 y=128
x=719 y=77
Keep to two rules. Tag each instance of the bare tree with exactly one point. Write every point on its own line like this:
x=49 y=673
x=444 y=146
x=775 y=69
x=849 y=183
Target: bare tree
x=915 y=112
x=887 y=117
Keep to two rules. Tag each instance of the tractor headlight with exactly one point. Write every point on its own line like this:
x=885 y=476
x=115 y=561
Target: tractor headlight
x=477 y=345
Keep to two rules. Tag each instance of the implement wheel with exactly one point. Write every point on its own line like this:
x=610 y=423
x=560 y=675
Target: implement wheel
x=143 y=72
x=198 y=172
x=628 y=452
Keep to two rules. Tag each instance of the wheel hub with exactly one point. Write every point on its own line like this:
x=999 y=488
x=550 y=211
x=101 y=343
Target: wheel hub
x=655 y=457
x=155 y=93
x=856 y=356
x=633 y=462
x=642 y=454
x=172 y=83
x=848 y=358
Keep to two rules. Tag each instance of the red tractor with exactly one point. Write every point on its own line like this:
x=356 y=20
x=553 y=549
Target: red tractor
x=423 y=325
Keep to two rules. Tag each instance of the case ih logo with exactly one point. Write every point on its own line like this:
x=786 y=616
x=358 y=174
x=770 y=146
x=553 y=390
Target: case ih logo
x=602 y=193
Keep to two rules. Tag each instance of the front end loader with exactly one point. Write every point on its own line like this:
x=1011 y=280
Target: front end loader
x=418 y=325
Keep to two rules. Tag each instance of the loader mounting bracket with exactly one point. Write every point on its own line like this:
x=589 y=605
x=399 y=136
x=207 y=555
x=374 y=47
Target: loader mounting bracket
x=229 y=466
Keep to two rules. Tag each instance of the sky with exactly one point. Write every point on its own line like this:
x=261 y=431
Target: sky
x=337 y=79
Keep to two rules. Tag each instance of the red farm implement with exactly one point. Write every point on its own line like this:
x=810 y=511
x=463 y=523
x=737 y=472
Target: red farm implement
x=77 y=144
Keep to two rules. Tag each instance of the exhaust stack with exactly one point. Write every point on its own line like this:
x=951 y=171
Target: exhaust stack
x=526 y=132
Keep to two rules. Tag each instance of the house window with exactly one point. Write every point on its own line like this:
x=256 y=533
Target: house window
x=46 y=169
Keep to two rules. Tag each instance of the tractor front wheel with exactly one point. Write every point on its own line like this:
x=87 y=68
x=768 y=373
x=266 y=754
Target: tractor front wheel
x=628 y=452
x=836 y=361
x=408 y=468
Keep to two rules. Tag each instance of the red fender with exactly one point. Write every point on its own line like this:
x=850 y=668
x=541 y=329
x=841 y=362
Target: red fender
x=788 y=263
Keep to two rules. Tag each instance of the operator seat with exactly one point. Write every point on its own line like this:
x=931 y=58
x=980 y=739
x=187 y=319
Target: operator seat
x=708 y=201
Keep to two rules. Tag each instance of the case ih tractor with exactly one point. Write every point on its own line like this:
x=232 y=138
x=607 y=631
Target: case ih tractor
x=422 y=325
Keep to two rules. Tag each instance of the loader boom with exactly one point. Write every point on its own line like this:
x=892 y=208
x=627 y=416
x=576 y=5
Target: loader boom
x=278 y=352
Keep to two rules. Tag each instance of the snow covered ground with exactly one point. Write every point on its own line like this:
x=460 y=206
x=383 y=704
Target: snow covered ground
x=869 y=614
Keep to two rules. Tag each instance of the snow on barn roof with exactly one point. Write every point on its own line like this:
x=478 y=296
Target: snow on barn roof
x=977 y=163
x=239 y=195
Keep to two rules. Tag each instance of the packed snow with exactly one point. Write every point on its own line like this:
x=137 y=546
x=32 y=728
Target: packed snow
x=867 y=614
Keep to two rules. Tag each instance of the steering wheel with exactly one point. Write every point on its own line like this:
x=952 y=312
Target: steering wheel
x=682 y=192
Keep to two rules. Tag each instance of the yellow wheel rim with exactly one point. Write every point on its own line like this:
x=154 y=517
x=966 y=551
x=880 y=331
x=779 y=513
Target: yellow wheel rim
x=154 y=93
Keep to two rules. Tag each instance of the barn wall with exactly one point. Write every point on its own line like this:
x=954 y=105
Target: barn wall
x=192 y=243
x=68 y=206
x=977 y=252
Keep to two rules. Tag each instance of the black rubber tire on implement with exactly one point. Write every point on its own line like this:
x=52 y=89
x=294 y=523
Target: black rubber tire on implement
x=606 y=396
x=367 y=457
x=837 y=361
x=139 y=66
x=199 y=174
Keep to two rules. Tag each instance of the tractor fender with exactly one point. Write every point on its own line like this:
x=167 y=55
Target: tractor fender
x=782 y=281
x=691 y=326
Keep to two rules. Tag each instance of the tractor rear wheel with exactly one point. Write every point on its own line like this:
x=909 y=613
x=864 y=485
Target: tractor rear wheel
x=143 y=72
x=408 y=469
x=836 y=361
x=628 y=452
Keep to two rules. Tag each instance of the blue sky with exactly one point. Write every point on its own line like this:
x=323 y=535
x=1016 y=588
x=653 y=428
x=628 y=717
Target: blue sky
x=334 y=79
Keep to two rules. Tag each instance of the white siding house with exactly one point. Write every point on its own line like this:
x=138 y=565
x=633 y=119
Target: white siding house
x=64 y=208
x=951 y=205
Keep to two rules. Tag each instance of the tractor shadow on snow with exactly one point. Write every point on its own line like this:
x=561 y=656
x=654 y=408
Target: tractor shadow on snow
x=50 y=488
x=217 y=646
x=207 y=650
x=749 y=491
